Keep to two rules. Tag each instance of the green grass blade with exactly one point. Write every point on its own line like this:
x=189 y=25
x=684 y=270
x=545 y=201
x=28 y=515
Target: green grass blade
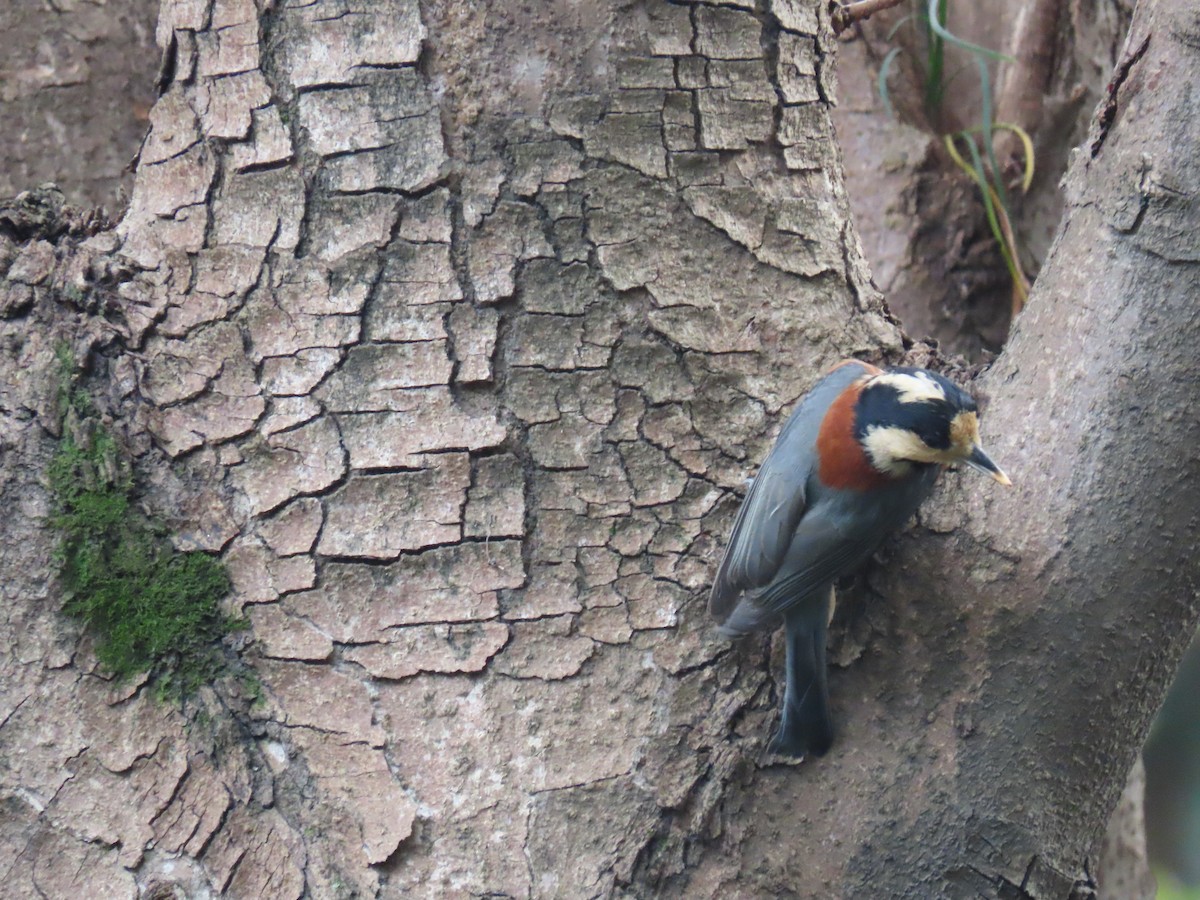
x=986 y=122
x=979 y=174
x=895 y=28
x=940 y=30
x=884 y=70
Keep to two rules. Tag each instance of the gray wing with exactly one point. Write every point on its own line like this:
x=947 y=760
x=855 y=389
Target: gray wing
x=835 y=536
x=767 y=522
x=819 y=553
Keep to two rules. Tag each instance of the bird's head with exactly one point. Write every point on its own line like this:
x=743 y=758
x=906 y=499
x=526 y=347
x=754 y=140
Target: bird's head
x=907 y=416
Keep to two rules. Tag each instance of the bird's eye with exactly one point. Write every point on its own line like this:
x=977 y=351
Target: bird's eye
x=934 y=434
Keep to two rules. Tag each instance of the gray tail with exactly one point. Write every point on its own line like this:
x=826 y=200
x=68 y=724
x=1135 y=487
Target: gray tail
x=806 y=726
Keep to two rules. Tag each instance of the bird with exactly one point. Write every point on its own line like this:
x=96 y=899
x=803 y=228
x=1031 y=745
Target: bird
x=852 y=463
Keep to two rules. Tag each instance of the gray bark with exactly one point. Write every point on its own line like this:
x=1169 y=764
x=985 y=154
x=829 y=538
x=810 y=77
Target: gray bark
x=1123 y=869
x=1028 y=637
x=76 y=87
x=455 y=329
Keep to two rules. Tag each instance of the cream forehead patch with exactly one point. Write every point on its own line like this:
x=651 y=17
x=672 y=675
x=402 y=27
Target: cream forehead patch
x=912 y=387
x=964 y=430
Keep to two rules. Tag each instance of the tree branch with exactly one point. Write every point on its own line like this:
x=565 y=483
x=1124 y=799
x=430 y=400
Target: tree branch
x=845 y=15
x=1026 y=81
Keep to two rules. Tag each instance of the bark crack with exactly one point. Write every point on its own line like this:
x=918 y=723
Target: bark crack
x=1108 y=113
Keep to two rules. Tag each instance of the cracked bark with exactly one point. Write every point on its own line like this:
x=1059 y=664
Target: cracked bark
x=456 y=332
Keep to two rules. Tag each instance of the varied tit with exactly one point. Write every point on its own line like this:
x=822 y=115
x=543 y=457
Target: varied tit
x=853 y=462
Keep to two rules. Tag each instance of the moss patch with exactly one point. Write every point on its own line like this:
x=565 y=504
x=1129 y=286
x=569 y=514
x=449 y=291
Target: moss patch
x=151 y=607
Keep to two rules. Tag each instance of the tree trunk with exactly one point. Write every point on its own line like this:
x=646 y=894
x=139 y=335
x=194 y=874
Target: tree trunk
x=1123 y=866
x=454 y=329
x=76 y=87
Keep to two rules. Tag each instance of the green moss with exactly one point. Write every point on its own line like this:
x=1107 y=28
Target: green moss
x=151 y=607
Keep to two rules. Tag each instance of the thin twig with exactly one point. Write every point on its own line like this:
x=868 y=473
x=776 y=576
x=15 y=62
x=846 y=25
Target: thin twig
x=846 y=14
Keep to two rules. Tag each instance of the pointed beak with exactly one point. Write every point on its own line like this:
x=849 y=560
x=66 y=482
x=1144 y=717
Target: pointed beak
x=981 y=461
